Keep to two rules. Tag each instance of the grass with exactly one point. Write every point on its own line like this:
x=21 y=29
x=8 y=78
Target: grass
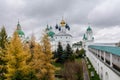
x=96 y=76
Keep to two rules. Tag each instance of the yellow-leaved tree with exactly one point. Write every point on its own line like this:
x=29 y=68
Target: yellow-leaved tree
x=16 y=56
x=48 y=59
x=37 y=62
x=37 y=59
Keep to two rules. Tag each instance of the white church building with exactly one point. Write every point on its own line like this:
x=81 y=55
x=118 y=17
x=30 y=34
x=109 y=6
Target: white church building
x=60 y=34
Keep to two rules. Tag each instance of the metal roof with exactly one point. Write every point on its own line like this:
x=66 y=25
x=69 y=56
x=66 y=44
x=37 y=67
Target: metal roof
x=110 y=49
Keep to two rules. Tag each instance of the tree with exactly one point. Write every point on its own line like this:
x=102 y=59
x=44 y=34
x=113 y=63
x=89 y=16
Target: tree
x=59 y=53
x=77 y=52
x=37 y=62
x=69 y=53
x=3 y=42
x=82 y=52
x=48 y=59
x=3 y=37
x=17 y=68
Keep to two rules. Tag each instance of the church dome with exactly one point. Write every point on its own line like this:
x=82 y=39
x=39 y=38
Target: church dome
x=89 y=29
x=20 y=32
x=62 y=23
x=51 y=34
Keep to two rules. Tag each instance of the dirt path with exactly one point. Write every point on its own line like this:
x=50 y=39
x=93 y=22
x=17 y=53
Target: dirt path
x=85 y=70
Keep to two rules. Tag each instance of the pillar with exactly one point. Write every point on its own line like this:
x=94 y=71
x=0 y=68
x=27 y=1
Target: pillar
x=100 y=54
x=104 y=57
x=111 y=60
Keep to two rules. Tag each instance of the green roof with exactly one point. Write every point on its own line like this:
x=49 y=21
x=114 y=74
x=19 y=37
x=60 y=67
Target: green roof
x=89 y=29
x=20 y=32
x=109 y=49
x=51 y=34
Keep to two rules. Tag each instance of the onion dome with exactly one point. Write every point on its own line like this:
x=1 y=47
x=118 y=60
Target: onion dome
x=56 y=26
x=59 y=28
x=51 y=34
x=20 y=32
x=62 y=23
x=66 y=26
x=89 y=29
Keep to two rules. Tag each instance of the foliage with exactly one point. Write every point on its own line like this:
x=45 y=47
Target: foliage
x=69 y=53
x=80 y=53
x=48 y=59
x=37 y=61
x=16 y=59
x=3 y=42
x=59 y=54
x=96 y=76
x=3 y=37
x=72 y=71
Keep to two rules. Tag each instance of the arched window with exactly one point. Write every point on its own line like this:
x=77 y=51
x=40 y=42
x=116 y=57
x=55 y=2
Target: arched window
x=106 y=76
x=101 y=73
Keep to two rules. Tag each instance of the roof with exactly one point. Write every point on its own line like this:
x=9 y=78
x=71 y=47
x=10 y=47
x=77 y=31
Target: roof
x=63 y=34
x=89 y=29
x=109 y=49
x=20 y=32
x=51 y=34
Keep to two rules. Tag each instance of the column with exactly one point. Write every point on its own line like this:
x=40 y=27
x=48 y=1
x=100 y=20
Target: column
x=111 y=60
x=104 y=56
x=97 y=52
x=100 y=54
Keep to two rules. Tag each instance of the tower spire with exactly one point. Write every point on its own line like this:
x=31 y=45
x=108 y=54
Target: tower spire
x=18 y=25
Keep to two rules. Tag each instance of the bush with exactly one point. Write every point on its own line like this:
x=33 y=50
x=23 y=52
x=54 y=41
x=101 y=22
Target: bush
x=72 y=71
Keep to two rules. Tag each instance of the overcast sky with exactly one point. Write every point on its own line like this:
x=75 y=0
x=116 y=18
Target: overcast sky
x=34 y=15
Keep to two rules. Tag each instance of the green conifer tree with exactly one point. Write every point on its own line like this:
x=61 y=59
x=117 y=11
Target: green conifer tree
x=60 y=53
x=69 y=52
x=3 y=42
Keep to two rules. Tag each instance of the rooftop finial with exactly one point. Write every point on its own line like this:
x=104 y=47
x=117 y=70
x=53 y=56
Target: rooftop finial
x=18 y=20
x=62 y=17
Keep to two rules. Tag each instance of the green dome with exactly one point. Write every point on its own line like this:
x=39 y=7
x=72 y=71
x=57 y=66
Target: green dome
x=20 y=32
x=51 y=34
x=89 y=29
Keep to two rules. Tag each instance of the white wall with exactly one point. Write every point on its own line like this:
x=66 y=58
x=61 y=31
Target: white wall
x=104 y=72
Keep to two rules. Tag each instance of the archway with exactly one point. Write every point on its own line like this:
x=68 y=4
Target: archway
x=106 y=76
x=101 y=75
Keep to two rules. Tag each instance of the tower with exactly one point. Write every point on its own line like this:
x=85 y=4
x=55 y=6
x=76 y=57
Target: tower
x=88 y=37
x=19 y=31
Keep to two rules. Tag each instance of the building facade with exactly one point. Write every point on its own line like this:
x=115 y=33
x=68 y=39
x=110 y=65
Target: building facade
x=59 y=35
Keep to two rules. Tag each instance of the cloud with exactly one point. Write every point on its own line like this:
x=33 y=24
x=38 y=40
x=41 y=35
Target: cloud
x=34 y=15
x=106 y=13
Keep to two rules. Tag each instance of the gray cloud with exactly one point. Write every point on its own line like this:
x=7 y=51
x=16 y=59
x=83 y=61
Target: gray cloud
x=35 y=14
